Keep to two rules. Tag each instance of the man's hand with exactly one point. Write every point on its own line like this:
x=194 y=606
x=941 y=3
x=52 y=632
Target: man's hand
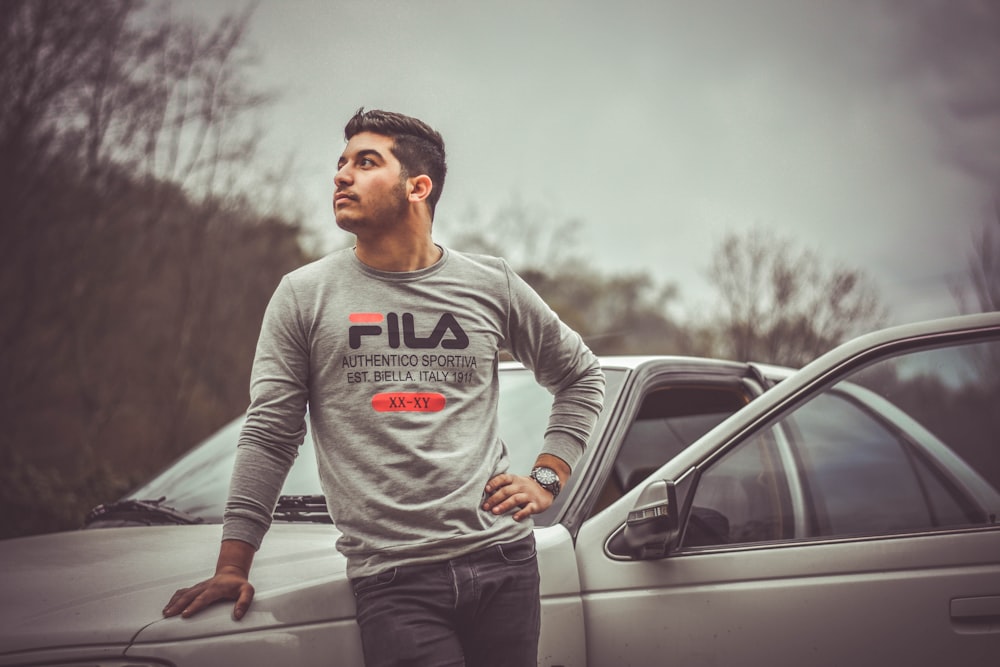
x=505 y=492
x=223 y=586
x=231 y=582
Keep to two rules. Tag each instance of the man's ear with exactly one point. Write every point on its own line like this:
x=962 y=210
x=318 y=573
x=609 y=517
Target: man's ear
x=420 y=188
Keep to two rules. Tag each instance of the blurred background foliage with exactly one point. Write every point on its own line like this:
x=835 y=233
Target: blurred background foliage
x=139 y=249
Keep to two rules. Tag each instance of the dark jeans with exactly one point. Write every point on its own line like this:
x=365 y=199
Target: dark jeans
x=477 y=610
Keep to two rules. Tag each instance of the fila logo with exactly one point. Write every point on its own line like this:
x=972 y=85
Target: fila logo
x=447 y=334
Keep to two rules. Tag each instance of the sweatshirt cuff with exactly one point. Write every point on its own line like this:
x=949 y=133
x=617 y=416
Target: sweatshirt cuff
x=245 y=530
x=564 y=446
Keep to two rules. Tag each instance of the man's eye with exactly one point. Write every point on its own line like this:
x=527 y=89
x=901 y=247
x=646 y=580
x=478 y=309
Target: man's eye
x=366 y=162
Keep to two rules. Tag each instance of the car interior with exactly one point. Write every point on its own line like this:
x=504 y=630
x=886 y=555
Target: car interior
x=669 y=419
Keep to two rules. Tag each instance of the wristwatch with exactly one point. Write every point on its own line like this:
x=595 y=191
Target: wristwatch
x=547 y=479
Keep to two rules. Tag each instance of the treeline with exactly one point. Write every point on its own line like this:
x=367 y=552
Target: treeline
x=128 y=335
x=775 y=300
x=134 y=263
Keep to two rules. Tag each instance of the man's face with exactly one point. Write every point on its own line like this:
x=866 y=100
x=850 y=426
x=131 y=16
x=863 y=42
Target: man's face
x=370 y=193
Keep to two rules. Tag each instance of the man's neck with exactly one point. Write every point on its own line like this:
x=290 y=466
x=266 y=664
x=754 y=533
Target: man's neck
x=398 y=254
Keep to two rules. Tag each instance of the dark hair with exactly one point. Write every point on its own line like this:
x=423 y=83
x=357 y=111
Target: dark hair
x=418 y=147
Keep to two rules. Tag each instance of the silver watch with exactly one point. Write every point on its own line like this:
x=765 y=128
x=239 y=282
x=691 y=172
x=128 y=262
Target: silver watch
x=547 y=479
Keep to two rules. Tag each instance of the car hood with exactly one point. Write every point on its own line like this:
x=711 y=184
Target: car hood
x=108 y=587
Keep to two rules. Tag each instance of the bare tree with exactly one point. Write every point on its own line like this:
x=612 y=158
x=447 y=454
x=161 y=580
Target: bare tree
x=134 y=263
x=96 y=99
x=529 y=237
x=981 y=293
x=782 y=304
x=617 y=313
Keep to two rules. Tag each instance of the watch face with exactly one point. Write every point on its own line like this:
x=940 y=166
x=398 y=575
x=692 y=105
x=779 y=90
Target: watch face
x=546 y=476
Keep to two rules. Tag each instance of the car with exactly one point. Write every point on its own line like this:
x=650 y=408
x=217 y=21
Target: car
x=725 y=513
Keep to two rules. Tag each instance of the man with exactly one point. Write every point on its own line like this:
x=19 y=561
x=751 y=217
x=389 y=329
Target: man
x=394 y=347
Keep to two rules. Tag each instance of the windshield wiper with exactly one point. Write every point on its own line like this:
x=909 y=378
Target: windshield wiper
x=147 y=512
x=302 y=508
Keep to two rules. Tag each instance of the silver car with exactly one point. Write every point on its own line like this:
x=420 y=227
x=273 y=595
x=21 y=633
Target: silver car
x=725 y=513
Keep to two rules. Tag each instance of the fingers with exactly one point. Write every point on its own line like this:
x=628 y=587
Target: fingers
x=524 y=511
x=180 y=600
x=499 y=492
x=498 y=482
x=200 y=601
x=187 y=602
x=196 y=605
x=509 y=492
x=243 y=602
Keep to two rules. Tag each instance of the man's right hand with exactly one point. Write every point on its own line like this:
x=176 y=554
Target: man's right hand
x=223 y=586
x=231 y=582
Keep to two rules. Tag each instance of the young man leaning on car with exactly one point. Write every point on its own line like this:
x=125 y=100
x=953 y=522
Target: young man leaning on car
x=393 y=345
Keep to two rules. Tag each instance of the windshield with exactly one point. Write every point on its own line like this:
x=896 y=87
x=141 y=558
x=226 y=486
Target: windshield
x=199 y=482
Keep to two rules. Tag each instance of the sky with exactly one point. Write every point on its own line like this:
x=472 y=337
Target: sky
x=660 y=126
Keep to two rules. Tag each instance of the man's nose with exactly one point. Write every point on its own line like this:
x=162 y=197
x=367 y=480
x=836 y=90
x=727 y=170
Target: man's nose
x=343 y=176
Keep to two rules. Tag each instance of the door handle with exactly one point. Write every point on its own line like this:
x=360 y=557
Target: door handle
x=970 y=608
x=978 y=615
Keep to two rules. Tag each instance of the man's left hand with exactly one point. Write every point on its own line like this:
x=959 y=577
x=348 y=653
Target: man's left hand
x=506 y=492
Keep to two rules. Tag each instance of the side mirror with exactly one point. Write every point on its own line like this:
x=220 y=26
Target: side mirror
x=651 y=528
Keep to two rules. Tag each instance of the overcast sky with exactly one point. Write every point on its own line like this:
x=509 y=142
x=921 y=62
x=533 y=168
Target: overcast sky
x=660 y=125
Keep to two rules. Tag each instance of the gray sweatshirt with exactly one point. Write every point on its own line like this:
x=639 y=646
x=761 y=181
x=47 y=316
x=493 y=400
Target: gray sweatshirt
x=399 y=373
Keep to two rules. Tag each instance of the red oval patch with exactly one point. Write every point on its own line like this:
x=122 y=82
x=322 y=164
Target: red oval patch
x=401 y=401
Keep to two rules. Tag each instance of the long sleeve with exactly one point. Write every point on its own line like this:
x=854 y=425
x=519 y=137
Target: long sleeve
x=275 y=424
x=562 y=363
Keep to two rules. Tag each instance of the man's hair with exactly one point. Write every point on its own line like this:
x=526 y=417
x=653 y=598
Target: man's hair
x=417 y=146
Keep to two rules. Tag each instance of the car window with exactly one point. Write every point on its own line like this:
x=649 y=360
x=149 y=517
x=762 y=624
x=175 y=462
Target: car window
x=669 y=419
x=862 y=477
x=743 y=497
x=908 y=444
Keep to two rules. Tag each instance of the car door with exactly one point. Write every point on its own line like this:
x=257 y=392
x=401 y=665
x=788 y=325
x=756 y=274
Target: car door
x=653 y=412
x=853 y=522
